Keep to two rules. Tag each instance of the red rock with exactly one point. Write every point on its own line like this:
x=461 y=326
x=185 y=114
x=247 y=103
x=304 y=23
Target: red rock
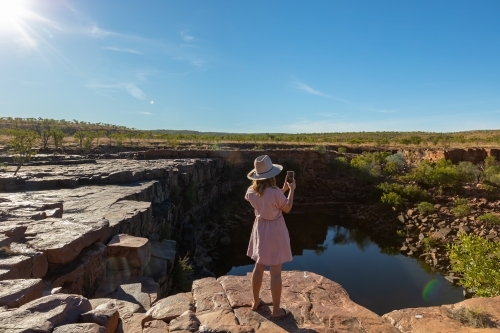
x=209 y=295
x=185 y=323
x=155 y=326
x=132 y=324
x=437 y=318
x=15 y=267
x=80 y=328
x=14 y=293
x=125 y=309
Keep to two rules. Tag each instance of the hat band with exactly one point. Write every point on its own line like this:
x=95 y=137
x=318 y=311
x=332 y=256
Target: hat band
x=261 y=173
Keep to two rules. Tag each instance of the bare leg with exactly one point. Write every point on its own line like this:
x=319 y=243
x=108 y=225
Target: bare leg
x=257 y=275
x=276 y=289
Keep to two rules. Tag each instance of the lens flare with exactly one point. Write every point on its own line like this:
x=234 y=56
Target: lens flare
x=431 y=289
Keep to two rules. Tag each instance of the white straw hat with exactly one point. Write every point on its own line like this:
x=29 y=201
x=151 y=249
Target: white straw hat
x=264 y=168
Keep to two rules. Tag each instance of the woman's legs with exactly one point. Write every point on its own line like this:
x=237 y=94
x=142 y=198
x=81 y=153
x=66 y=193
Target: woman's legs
x=257 y=275
x=276 y=289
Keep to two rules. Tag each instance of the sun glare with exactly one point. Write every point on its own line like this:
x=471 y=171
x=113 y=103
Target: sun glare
x=11 y=12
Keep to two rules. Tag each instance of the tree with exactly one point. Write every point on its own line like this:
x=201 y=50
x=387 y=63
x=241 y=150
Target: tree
x=57 y=136
x=79 y=137
x=22 y=142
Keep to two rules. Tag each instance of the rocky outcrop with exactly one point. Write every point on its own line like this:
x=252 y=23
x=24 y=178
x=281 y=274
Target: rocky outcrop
x=14 y=293
x=477 y=315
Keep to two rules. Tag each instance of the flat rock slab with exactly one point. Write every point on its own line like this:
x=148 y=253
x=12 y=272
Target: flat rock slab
x=209 y=296
x=62 y=240
x=14 y=293
x=128 y=252
x=315 y=302
x=170 y=308
x=80 y=328
x=440 y=319
x=45 y=313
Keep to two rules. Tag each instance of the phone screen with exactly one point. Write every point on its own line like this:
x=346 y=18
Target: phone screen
x=289 y=176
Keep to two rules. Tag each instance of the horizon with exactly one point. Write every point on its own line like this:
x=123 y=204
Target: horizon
x=260 y=67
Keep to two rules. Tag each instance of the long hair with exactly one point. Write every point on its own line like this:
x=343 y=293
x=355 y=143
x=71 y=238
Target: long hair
x=260 y=186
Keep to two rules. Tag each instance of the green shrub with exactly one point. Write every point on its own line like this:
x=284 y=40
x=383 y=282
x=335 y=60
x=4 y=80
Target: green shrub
x=461 y=210
x=429 y=243
x=339 y=165
x=22 y=143
x=320 y=149
x=470 y=172
x=477 y=259
x=182 y=275
x=475 y=318
x=392 y=199
x=425 y=207
x=412 y=193
x=439 y=174
x=391 y=168
x=342 y=150
x=489 y=218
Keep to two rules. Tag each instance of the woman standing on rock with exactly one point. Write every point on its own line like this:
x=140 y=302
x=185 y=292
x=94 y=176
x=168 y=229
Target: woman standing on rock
x=270 y=243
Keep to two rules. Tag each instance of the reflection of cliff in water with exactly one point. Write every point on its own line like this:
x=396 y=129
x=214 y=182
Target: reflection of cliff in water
x=308 y=231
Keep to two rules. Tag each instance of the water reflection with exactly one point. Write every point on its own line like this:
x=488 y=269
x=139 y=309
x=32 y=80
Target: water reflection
x=374 y=274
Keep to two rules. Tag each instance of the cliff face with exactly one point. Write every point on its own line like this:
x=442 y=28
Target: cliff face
x=474 y=155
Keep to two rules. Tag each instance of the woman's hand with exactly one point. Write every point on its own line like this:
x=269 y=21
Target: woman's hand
x=285 y=187
x=291 y=185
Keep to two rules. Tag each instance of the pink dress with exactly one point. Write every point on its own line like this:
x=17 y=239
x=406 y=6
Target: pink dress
x=269 y=243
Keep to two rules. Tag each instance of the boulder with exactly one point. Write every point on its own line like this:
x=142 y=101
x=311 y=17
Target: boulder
x=170 y=308
x=128 y=253
x=185 y=323
x=105 y=315
x=14 y=293
x=15 y=267
x=80 y=328
x=155 y=326
x=45 y=313
x=133 y=293
x=125 y=309
x=39 y=264
x=209 y=295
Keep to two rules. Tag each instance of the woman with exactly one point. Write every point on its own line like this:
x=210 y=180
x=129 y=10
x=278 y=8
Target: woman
x=269 y=244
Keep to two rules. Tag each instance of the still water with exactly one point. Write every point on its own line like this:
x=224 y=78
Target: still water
x=376 y=276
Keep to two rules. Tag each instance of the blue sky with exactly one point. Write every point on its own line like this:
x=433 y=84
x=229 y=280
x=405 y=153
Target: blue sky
x=254 y=66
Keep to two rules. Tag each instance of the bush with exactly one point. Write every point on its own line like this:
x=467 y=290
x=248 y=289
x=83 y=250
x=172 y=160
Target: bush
x=425 y=207
x=392 y=199
x=440 y=174
x=182 y=275
x=398 y=159
x=461 y=210
x=477 y=259
x=22 y=143
x=489 y=218
x=410 y=193
x=339 y=165
x=429 y=243
x=475 y=318
x=469 y=171
x=342 y=150
x=320 y=149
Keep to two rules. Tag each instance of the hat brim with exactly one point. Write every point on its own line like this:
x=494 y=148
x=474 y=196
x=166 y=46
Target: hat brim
x=253 y=175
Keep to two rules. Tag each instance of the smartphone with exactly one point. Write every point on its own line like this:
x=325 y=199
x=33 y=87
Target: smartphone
x=290 y=175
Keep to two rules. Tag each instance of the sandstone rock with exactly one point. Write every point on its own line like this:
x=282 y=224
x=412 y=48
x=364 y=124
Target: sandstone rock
x=105 y=315
x=215 y=320
x=14 y=293
x=170 y=308
x=132 y=324
x=315 y=302
x=62 y=240
x=133 y=293
x=39 y=264
x=127 y=252
x=442 y=233
x=209 y=295
x=15 y=267
x=125 y=309
x=438 y=318
x=43 y=314
x=185 y=323
x=155 y=326
x=80 y=328
x=81 y=276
